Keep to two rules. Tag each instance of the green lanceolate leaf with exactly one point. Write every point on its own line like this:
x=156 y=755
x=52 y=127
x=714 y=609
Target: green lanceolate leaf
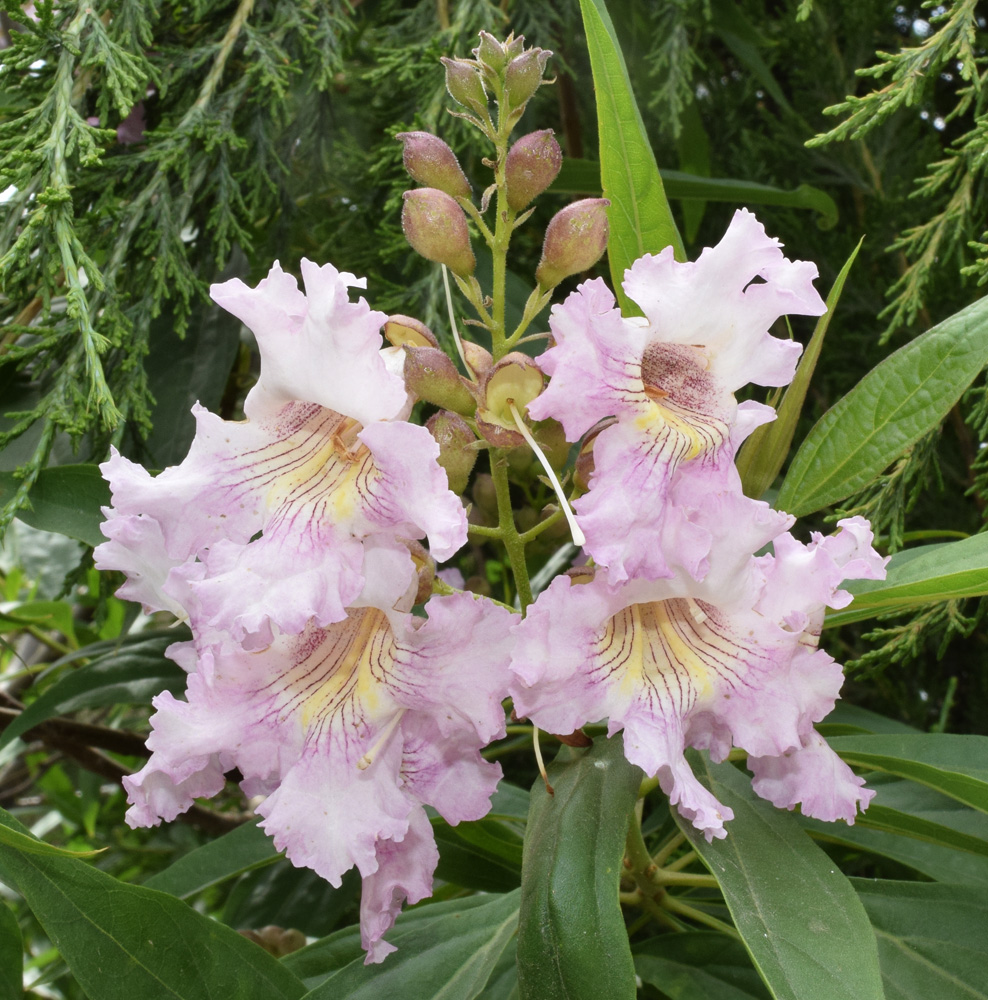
x=11 y=956
x=446 y=951
x=953 y=764
x=640 y=218
x=232 y=854
x=764 y=453
x=798 y=915
x=572 y=940
x=583 y=177
x=699 y=965
x=65 y=499
x=130 y=674
x=122 y=941
x=931 y=938
x=918 y=827
x=890 y=409
x=31 y=845
x=928 y=574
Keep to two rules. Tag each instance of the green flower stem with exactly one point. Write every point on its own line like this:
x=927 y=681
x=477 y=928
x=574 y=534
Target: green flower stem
x=509 y=530
x=676 y=905
x=485 y=531
x=669 y=847
x=652 y=911
x=527 y=536
x=471 y=209
x=650 y=878
x=680 y=863
x=537 y=301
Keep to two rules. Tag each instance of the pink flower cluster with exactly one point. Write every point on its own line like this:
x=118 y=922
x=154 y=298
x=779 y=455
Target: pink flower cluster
x=288 y=542
x=681 y=635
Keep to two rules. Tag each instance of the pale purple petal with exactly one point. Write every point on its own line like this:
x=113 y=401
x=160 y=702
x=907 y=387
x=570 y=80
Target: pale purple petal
x=595 y=365
x=446 y=770
x=813 y=777
x=328 y=815
x=411 y=494
x=714 y=302
x=317 y=347
x=404 y=873
x=136 y=546
x=802 y=580
x=453 y=667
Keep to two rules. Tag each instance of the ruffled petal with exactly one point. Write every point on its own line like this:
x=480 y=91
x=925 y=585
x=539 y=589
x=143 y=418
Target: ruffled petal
x=813 y=777
x=411 y=495
x=715 y=302
x=404 y=873
x=318 y=347
x=595 y=365
x=453 y=667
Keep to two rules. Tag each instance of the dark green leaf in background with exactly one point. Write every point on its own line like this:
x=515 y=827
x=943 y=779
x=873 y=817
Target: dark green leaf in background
x=65 y=499
x=234 y=853
x=122 y=941
x=579 y=176
x=798 y=915
x=932 y=938
x=572 y=941
x=891 y=408
x=286 y=896
x=699 y=965
x=130 y=673
x=11 y=956
x=446 y=951
x=640 y=219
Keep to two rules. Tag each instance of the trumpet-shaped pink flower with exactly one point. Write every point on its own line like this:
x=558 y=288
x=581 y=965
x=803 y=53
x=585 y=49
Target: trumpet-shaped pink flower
x=265 y=521
x=348 y=731
x=676 y=662
x=669 y=380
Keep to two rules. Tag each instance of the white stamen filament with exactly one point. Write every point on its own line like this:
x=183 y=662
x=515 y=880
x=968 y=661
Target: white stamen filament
x=538 y=758
x=452 y=321
x=368 y=758
x=578 y=537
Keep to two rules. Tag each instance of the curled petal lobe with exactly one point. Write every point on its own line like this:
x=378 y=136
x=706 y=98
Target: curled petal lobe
x=726 y=301
x=404 y=873
x=813 y=777
x=317 y=347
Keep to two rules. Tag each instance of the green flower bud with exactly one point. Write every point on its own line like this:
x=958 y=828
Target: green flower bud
x=490 y=52
x=531 y=166
x=457 y=447
x=465 y=85
x=436 y=227
x=575 y=239
x=431 y=162
x=523 y=77
x=431 y=375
